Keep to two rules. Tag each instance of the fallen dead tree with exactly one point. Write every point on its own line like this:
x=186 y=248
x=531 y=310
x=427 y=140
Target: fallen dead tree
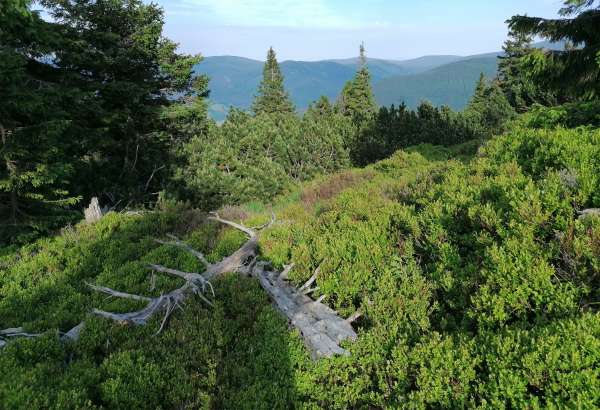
x=320 y=326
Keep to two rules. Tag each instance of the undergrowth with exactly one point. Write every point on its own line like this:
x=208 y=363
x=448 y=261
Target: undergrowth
x=477 y=280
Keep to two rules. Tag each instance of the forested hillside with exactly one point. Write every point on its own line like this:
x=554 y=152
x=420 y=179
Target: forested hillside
x=439 y=79
x=450 y=84
x=349 y=256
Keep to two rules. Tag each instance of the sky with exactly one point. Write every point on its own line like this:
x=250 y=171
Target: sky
x=325 y=29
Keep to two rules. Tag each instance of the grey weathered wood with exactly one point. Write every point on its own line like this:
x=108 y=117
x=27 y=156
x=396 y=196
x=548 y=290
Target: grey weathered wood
x=589 y=212
x=93 y=212
x=320 y=326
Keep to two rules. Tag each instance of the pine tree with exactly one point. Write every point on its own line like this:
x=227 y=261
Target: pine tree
x=513 y=77
x=489 y=110
x=114 y=52
x=575 y=70
x=356 y=100
x=272 y=97
x=320 y=108
x=34 y=165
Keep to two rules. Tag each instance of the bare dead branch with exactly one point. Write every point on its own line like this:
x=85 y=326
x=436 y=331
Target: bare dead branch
x=177 y=242
x=320 y=326
x=354 y=316
x=311 y=290
x=154 y=171
x=191 y=277
x=248 y=231
x=312 y=279
x=589 y=212
x=286 y=271
x=118 y=294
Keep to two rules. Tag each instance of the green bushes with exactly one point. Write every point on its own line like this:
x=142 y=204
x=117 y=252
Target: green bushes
x=255 y=158
x=477 y=282
x=205 y=358
x=567 y=115
x=470 y=277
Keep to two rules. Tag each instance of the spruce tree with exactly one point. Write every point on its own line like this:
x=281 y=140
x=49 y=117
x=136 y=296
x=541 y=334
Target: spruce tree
x=115 y=53
x=514 y=79
x=272 y=97
x=35 y=167
x=356 y=100
x=575 y=70
x=489 y=110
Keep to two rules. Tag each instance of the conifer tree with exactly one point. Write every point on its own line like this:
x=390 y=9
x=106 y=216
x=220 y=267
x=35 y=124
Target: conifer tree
x=272 y=97
x=513 y=77
x=356 y=100
x=489 y=110
x=115 y=53
x=34 y=164
x=575 y=70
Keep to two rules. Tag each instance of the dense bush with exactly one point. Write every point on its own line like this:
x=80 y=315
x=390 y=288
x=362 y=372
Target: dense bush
x=205 y=358
x=477 y=281
x=567 y=115
x=257 y=157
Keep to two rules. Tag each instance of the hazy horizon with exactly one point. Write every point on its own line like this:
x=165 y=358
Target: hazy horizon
x=315 y=30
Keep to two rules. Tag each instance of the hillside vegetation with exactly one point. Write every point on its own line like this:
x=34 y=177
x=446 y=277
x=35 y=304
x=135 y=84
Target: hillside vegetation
x=349 y=257
x=451 y=84
x=476 y=280
x=440 y=79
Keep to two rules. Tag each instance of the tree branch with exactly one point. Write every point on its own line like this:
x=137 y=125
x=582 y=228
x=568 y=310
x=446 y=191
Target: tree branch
x=177 y=242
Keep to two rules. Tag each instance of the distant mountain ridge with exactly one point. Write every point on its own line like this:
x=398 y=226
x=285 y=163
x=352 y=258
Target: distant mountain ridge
x=440 y=79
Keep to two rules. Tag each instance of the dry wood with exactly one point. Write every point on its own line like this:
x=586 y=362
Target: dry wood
x=320 y=326
x=589 y=212
x=93 y=212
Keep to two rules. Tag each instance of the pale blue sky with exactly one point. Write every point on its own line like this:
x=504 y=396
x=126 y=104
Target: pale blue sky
x=323 y=29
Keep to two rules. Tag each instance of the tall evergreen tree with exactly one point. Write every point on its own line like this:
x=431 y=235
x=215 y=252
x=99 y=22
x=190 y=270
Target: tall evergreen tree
x=114 y=52
x=272 y=97
x=82 y=97
x=515 y=80
x=489 y=110
x=357 y=100
x=576 y=69
x=34 y=167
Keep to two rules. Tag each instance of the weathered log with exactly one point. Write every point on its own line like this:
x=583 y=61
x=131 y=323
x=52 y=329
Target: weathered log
x=589 y=212
x=320 y=326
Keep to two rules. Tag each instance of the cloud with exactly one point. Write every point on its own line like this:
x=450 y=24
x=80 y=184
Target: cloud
x=264 y=13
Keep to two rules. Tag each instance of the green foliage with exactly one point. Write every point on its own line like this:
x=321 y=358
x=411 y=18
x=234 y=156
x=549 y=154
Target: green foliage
x=513 y=77
x=473 y=279
x=257 y=157
x=272 y=97
x=395 y=128
x=568 y=115
x=476 y=280
x=205 y=358
x=356 y=100
x=575 y=70
x=34 y=173
x=83 y=106
x=489 y=111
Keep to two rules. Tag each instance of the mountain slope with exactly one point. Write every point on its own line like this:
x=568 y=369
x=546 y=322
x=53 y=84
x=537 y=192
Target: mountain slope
x=417 y=65
x=451 y=84
x=234 y=80
x=441 y=79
